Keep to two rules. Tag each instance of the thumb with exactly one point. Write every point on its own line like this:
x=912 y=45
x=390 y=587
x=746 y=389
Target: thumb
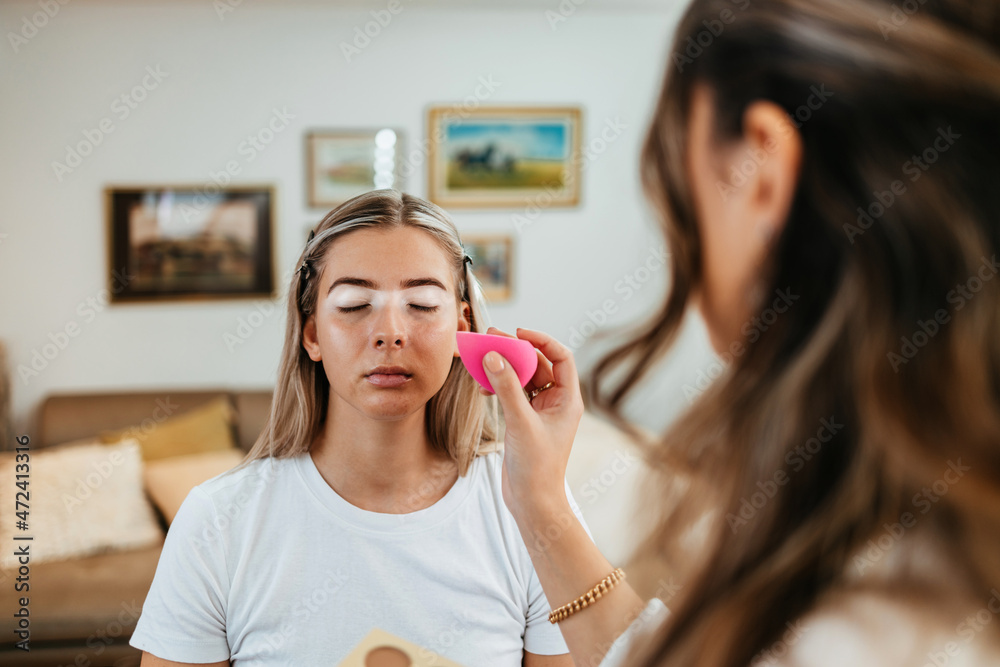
x=506 y=386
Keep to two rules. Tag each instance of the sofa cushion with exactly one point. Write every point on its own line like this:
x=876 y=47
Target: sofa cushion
x=168 y=481
x=82 y=498
x=202 y=429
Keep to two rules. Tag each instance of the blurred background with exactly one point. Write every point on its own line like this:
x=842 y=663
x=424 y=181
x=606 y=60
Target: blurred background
x=159 y=99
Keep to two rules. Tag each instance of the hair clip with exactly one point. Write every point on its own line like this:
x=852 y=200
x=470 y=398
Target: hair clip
x=307 y=267
x=469 y=260
x=312 y=235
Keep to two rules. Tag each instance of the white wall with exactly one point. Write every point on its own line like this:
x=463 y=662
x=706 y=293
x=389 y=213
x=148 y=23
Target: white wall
x=223 y=79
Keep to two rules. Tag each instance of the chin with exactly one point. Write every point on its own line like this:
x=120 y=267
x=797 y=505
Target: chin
x=391 y=408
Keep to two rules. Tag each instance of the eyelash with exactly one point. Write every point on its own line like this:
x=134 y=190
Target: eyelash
x=423 y=309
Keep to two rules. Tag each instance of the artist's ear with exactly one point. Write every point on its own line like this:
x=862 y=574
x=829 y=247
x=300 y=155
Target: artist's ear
x=464 y=321
x=309 y=341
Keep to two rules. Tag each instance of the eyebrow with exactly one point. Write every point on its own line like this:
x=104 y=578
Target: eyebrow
x=368 y=284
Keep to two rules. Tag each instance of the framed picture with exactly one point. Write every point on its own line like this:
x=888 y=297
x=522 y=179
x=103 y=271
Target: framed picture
x=504 y=156
x=341 y=164
x=493 y=264
x=178 y=242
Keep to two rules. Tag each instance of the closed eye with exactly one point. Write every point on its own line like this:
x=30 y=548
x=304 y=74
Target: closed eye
x=351 y=309
x=425 y=309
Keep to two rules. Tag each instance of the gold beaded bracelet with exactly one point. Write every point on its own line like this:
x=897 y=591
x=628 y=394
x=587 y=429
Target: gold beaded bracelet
x=588 y=598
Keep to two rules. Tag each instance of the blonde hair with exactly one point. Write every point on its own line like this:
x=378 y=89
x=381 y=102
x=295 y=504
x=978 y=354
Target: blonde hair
x=459 y=420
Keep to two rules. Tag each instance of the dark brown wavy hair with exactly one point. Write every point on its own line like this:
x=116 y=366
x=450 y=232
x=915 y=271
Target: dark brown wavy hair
x=895 y=335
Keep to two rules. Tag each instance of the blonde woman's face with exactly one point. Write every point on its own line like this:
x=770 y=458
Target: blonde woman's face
x=385 y=320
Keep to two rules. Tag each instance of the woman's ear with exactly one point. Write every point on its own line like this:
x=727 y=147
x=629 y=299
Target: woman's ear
x=464 y=321
x=776 y=146
x=309 y=341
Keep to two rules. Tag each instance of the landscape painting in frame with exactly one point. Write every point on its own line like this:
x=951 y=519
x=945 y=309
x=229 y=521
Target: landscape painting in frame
x=492 y=263
x=504 y=157
x=341 y=164
x=197 y=242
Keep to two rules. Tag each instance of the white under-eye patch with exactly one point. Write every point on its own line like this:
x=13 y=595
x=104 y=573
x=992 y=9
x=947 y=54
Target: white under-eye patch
x=353 y=296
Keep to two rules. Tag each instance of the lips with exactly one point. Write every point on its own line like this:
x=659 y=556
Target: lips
x=388 y=376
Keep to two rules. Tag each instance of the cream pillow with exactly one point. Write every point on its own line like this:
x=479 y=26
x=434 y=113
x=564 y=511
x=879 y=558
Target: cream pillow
x=84 y=498
x=168 y=481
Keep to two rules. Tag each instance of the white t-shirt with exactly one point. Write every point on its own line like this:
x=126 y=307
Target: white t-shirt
x=269 y=565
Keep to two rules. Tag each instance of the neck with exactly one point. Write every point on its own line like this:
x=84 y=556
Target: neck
x=381 y=466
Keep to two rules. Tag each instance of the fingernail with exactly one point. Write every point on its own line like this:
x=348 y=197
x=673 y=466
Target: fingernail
x=494 y=362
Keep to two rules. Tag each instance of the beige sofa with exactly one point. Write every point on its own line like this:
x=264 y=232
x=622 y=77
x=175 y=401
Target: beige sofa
x=84 y=610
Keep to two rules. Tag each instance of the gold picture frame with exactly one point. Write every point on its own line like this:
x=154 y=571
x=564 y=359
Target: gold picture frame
x=183 y=242
x=504 y=157
x=344 y=163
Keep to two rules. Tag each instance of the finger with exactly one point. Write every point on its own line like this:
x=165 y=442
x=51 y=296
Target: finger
x=543 y=371
x=507 y=388
x=563 y=366
x=542 y=375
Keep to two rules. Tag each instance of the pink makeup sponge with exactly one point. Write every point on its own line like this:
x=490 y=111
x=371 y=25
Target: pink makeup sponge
x=521 y=354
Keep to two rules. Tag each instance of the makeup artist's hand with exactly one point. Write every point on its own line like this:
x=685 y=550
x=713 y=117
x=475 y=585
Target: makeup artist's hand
x=540 y=433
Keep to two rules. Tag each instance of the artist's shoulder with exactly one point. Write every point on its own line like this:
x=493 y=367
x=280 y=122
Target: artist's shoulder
x=876 y=628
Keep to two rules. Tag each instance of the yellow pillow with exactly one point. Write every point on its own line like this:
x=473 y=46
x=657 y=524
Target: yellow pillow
x=206 y=428
x=169 y=481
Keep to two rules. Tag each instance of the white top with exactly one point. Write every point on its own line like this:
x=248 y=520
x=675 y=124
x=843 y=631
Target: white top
x=269 y=565
x=865 y=625
x=645 y=623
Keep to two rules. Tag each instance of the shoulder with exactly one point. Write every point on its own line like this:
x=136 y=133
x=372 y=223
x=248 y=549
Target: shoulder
x=237 y=490
x=908 y=605
x=873 y=628
x=251 y=475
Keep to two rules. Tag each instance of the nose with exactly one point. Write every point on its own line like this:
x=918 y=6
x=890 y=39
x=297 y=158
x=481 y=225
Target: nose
x=389 y=332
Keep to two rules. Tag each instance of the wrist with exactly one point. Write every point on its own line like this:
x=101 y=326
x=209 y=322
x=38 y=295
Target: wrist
x=543 y=522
